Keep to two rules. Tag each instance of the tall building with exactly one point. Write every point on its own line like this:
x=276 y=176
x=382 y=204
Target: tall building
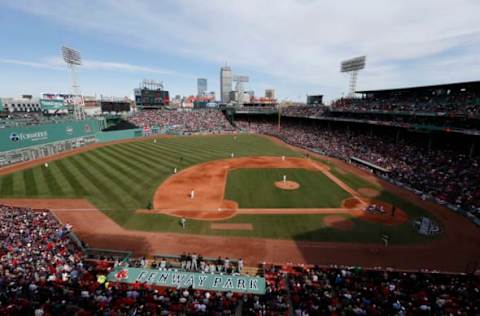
x=201 y=87
x=270 y=94
x=226 y=77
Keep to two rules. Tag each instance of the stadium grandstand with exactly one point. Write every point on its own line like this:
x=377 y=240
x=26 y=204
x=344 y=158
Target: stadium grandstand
x=183 y=121
x=424 y=138
x=454 y=99
x=46 y=270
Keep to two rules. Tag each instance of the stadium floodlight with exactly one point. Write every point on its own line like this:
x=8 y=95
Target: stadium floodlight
x=71 y=56
x=72 y=59
x=353 y=66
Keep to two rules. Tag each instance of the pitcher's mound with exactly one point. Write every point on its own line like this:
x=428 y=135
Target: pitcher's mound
x=287 y=185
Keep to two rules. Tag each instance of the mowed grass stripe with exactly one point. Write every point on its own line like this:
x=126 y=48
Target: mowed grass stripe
x=189 y=155
x=132 y=164
x=245 y=145
x=65 y=167
x=116 y=164
x=163 y=154
x=107 y=191
x=203 y=149
x=6 y=188
x=192 y=154
x=41 y=182
x=104 y=168
x=29 y=183
x=186 y=148
x=61 y=180
x=18 y=186
x=241 y=147
x=52 y=182
x=162 y=163
x=134 y=154
x=160 y=156
x=146 y=160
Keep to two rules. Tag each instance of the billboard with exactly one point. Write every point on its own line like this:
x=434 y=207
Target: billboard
x=13 y=138
x=53 y=106
x=115 y=106
x=145 y=98
x=184 y=280
x=315 y=99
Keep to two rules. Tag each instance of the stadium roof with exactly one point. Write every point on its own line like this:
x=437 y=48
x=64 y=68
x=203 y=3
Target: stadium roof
x=438 y=86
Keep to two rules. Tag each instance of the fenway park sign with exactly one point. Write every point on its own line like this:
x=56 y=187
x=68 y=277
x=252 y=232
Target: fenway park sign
x=199 y=281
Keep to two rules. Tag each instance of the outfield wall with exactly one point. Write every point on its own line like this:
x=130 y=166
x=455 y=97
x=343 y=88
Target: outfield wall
x=19 y=144
x=119 y=135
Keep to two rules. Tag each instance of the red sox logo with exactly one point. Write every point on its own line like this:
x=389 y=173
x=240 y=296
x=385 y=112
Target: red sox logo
x=122 y=274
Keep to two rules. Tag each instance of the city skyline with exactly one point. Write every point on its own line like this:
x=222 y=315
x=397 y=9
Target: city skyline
x=407 y=44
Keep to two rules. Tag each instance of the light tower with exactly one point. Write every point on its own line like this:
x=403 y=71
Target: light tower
x=353 y=66
x=72 y=58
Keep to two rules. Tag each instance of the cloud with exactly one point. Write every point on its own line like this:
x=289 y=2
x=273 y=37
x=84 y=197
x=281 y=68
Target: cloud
x=32 y=64
x=297 y=41
x=57 y=63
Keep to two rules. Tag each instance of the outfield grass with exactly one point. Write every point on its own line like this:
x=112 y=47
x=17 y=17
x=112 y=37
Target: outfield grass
x=121 y=178
x=254 y=188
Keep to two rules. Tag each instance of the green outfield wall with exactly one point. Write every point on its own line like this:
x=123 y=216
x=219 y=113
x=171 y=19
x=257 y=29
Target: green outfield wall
x=118 y=135
x=14 y=138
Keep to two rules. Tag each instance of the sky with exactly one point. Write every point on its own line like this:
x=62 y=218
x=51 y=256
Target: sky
x=292 y=46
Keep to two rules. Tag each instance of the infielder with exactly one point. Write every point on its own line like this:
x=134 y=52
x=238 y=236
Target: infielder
x=192 y=194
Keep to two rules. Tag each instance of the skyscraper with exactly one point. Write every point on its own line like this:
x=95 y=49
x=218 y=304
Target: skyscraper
x=201 y=87
x=226 y=78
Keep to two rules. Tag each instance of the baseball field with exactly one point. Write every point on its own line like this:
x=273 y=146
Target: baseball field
x=237 y=182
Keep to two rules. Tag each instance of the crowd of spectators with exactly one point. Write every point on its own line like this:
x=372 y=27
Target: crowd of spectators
x=43 y=272
x=454 y=102
x=448 y=175
x=425 y=120
x=17 y=119
x=353 y=291
x=201 y=120
x=304 y=111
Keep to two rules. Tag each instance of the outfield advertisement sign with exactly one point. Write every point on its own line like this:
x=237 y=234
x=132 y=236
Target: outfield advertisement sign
x=12 y=138
x=53 y=106
x=199 y=281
